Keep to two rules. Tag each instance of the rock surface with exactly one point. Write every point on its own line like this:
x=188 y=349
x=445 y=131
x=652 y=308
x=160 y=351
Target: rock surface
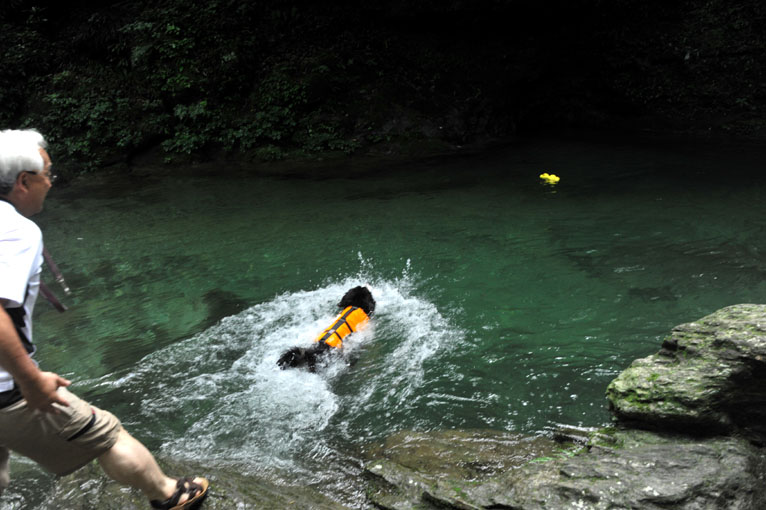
x=619 y=469
x=409 y=466
x=88 y=489
x=709 y=377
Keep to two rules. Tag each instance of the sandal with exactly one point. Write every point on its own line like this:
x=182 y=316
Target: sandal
x=195 y=491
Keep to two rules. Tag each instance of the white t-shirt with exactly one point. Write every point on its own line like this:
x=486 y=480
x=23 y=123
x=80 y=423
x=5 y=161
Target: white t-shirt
x=21 y=259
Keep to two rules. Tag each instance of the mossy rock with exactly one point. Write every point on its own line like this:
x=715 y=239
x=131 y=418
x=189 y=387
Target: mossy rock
x=640 y=469
x=709 y=377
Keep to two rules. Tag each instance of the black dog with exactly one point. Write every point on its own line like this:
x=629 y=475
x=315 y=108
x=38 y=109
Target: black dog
x=357 y=305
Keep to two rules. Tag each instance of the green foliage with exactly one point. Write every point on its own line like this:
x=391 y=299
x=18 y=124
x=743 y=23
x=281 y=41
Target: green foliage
x=269 y=153
x=182 y=77
x=105 y=82
x=22 y=58
x=193 y=126
x=165 y=55
x=276 y=104
x=87 y=120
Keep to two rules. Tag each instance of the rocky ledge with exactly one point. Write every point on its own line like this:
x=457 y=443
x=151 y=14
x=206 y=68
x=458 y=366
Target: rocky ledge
x=689 y=426
x=709 y=378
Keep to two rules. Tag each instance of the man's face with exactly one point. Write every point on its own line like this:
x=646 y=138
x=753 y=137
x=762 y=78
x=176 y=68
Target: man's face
x=38 y=185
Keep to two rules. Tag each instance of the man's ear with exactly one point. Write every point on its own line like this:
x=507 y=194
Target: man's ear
x=22 y=181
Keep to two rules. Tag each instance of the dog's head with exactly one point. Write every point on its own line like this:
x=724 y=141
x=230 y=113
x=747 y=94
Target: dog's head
x=360 y=297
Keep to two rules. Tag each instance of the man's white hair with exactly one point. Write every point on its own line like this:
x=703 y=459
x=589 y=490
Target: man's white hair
x=19 y=152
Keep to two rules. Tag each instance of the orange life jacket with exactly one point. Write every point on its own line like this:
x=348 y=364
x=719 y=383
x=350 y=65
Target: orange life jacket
x=350 y=319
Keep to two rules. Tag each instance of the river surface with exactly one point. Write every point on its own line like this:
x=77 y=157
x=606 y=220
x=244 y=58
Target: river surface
x=502 y=303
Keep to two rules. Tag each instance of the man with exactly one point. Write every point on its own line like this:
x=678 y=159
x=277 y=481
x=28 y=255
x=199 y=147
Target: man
x=39 y=417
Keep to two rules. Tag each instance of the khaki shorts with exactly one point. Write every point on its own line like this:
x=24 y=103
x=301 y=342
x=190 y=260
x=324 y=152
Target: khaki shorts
x=61 y=443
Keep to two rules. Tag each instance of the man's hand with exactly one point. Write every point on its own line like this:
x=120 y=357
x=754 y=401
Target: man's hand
x=38 y=388
x=40 y=392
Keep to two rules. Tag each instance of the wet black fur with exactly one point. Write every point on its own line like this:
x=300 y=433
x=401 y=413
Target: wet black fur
x=308 y=356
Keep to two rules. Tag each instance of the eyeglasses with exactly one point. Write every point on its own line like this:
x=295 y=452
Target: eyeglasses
x=48 y=175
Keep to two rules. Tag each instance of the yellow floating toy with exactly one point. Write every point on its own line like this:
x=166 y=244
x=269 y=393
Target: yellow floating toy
x=550 y=179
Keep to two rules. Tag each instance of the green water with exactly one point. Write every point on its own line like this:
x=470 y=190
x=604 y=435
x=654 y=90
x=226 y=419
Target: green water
x=502 y=303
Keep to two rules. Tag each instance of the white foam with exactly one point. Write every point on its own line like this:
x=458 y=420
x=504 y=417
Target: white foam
x=224 y=397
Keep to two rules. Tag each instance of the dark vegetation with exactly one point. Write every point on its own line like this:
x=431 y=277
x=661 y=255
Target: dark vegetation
x=190 y=79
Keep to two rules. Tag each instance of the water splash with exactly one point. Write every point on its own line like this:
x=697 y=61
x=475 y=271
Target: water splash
x=221 y=396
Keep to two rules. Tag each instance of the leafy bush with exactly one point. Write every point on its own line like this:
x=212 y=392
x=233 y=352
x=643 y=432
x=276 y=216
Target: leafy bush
x=271 y=78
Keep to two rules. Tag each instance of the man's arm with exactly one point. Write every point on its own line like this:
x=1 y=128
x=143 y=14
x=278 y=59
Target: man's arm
x=37 y=387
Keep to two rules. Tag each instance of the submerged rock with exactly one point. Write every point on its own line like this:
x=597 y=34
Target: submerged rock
x=709 y=377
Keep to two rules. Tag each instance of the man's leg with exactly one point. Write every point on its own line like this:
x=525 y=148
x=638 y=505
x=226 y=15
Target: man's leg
x=5 y=469
x=130 y=463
